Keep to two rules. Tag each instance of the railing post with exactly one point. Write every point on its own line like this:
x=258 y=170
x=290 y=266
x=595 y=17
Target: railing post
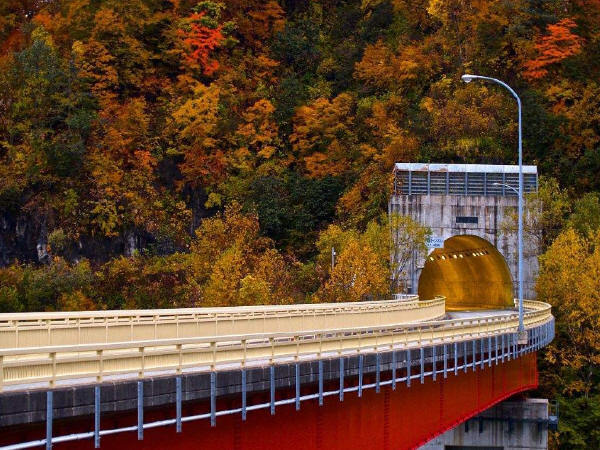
x=213 y=398
x=178 y=404
x=422 y=365
x=272 y=385
x=455 y=358
x=360 y=374
x=100 y=356
x=297 y=387
x=489 y=351
x=465 y=362
x=214 y=356
x=179 y=358
x=496 y=348
x=393 y=370
x=245 y=347
x=53 y=379
x=433 y=363
x=320 y=382
x=474 y=355
x=142 y=362
x=341 y=379
x=97 y=412
x=1 y=372
x=377 y=374
x=140 y=410
x=543 y=335
x=243 y=394
x=408 y=364
x=482 y=362
x=49 y=413
x=445 y=361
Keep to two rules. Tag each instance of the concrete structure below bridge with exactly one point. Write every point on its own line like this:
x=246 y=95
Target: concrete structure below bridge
x=509 y=425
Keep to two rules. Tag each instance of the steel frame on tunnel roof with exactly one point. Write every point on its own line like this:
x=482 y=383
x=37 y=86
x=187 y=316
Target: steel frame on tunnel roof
x=461 y=179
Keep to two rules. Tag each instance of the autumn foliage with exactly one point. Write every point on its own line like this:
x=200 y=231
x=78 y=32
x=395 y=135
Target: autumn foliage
x=184 y=152
x=200 y=36
x=559 y=43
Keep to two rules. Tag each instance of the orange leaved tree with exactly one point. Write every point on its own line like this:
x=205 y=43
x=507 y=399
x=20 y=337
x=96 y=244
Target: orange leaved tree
x=560 y=43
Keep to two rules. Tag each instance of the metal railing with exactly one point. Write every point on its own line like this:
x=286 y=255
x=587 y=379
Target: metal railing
x=85 y=363
x=73 y=328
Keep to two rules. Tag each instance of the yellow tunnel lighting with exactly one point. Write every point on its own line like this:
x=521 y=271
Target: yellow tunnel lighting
x=467 y=283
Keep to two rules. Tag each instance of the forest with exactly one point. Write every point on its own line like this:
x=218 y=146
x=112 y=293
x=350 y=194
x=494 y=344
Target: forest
x=175 y=153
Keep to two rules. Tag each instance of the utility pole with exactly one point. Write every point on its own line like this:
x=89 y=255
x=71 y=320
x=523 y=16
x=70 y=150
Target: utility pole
x=333 y=254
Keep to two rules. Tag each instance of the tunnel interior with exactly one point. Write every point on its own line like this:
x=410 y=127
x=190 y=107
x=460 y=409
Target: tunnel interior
x=470 y=272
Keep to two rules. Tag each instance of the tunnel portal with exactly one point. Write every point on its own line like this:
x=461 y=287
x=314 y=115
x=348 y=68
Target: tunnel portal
x=470 y=272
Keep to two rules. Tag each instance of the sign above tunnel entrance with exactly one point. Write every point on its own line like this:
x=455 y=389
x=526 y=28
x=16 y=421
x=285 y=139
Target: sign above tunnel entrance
x=467 y=219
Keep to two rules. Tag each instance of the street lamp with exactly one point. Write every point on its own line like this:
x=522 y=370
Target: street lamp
x=516 y=191
x=467 y=78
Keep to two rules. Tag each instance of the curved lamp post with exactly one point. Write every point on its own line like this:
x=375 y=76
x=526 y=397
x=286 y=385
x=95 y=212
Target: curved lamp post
x=522 y=334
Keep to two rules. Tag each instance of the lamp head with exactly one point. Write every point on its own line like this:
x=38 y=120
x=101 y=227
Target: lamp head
x=468 y=78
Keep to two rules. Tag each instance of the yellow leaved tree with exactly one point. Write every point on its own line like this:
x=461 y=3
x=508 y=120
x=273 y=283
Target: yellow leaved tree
x=570 y=281
x=367 y=264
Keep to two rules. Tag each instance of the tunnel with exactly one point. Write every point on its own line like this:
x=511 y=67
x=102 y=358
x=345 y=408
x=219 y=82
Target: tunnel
x=470 y=272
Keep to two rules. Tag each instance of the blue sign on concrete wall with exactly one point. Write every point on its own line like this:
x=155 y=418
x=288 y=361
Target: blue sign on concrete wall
x=435 y=242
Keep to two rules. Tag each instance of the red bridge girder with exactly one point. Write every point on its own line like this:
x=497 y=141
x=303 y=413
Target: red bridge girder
x=392 y=419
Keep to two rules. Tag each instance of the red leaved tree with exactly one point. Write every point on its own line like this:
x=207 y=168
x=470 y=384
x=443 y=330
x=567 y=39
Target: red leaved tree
x=560 y=43
x=202 y=34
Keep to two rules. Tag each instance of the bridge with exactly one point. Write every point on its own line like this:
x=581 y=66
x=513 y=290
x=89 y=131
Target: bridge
x=385 y=374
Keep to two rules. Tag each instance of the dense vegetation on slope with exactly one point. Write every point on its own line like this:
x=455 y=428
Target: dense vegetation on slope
x=173 y=152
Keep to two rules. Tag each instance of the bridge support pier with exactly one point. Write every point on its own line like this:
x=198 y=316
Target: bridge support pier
x=513 y=424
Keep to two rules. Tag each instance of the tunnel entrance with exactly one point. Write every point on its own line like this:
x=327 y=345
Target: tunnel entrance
x=470 y=272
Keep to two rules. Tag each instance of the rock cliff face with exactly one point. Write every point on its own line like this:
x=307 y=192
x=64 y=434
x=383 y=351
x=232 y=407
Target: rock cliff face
x=24 y=238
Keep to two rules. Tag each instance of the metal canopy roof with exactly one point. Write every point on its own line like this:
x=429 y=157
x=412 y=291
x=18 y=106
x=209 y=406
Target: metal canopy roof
x=463 y=168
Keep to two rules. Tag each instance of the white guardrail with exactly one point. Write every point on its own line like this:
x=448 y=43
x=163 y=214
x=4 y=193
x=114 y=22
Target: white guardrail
x=51 y=365
x=90 y=327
